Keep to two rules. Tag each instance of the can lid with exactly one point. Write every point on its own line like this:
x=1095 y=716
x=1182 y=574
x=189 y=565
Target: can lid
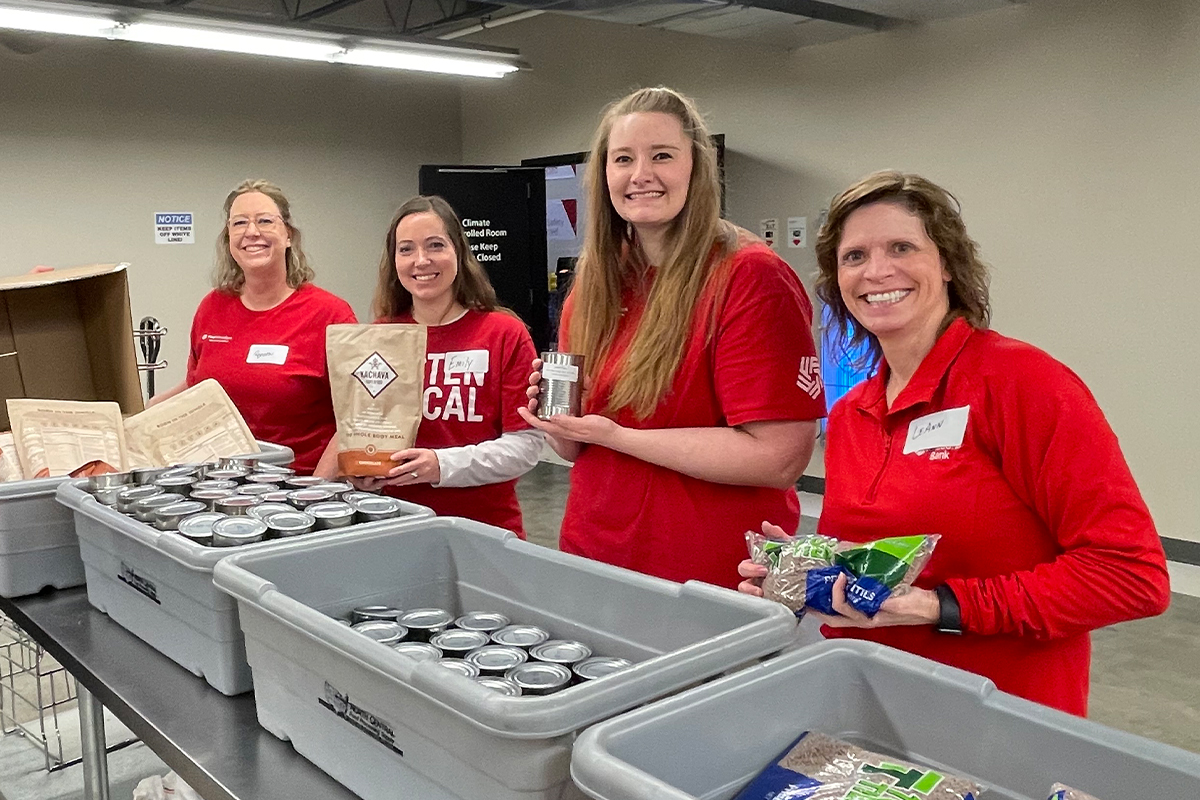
x=421 y=651
x=497 y=684
x=363 y=613
x=273 y=469
x=599 y=666
x=139 y=492
x=264 y=477
x=310 y=495
x=354 y=497
x=520 y=635
x=376 y=504
x=458 y=639
x=289 y=520
x=257 y=489
x=266 y=509
x=199 y=525
x=182 y=479
x=238 y=501
x=298 y=481
x=278 y=496
x=337 y=487
x=426 y=618
x=482 y=621
x=497 y=657
x=156 y=501
x=331 y=509
x=226 y=474
x=239 y=527
x=539 y=675
x=209 y=483
x=183 y=508
x=560 y=651
x=460 y=666
x=381 y=630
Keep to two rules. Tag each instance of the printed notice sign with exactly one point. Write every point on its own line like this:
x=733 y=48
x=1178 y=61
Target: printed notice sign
x=173 y=227
x=797 y=231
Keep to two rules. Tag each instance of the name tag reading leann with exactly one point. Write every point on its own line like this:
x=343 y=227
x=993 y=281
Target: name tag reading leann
x=943 y=429
x=267 y=354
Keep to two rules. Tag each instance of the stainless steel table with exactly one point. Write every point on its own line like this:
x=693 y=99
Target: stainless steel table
x=212 y=741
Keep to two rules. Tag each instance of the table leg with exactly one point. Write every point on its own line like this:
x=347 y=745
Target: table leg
x=95 y=757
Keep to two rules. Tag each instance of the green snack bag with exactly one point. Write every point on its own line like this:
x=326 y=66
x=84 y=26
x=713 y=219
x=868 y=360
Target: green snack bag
x=882 y=568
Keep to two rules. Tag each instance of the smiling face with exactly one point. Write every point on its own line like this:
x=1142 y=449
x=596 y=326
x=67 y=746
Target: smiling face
x=649 y=169
x=426 y=261
x=258 y=236
x=890 y=273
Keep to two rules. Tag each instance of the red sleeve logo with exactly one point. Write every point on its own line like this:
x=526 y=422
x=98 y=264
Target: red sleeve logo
x=809 y=378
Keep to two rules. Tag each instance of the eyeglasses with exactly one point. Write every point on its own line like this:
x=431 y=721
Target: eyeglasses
x=266 y=223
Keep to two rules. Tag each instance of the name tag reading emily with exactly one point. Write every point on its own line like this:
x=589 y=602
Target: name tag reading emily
x=943 y=429
x=463 y=361
x=267 y=354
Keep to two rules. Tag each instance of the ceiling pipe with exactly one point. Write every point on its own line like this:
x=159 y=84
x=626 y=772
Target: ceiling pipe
x=487 y=23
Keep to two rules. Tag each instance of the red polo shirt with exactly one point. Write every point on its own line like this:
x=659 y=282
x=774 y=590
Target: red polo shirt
x=1045 y=535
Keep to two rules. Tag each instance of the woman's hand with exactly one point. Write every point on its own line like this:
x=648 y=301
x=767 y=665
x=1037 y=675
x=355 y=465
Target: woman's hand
x=566 y=446
x=913 y=607
x=754 y=573
x=414 y=465
x=588 y=429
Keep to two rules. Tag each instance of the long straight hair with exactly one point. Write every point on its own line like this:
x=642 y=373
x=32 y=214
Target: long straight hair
x=611 y=261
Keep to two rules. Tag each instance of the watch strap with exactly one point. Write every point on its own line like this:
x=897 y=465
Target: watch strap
x=949 y=612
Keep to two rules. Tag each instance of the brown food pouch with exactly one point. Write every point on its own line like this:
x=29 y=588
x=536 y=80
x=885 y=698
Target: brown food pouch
x=377 y=377
x=94 y=468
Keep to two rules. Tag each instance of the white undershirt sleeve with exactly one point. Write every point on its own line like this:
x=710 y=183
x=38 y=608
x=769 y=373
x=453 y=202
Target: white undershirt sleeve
x=494 y=461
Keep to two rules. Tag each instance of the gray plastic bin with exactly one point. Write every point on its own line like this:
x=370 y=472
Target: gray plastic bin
x=711 y=741
x=38 y=545
x=387 y=726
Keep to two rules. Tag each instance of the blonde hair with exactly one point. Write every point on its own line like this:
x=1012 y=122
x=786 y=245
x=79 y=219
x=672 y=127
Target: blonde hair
x=228 y=275
x=611 y=262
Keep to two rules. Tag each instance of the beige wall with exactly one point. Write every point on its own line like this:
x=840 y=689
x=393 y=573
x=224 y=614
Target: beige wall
x=1067 y=129
x=96 y=136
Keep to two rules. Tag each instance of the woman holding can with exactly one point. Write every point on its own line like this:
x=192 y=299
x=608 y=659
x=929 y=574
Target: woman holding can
x=704 y=384
x=985 y=440
x=471 y=446
x=261 y=332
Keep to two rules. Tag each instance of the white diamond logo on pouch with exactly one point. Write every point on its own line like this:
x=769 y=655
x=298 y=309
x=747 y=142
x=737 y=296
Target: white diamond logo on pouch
x=375 y=374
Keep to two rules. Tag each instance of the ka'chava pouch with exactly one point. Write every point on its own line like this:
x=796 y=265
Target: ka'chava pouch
x=376 y=374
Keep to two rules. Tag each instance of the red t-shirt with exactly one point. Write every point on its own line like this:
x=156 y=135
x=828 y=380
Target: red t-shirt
x=476 y=373
x=272 y=365
x=1044 y=533
x=759 y=365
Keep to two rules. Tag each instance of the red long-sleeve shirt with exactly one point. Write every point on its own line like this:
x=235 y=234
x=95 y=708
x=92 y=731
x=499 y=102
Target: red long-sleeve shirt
x=1045 y=535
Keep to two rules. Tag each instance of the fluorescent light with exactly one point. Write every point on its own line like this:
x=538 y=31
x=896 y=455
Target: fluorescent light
x=47 y=22
x=395 y=59
x=203 y=39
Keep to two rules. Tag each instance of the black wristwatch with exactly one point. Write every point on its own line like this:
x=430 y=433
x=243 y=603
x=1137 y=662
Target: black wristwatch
x=949 y=613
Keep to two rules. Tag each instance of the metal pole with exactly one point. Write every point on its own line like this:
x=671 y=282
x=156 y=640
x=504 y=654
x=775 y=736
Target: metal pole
x=91 y=734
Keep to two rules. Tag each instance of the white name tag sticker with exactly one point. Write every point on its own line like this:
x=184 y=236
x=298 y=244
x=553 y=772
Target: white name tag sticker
x=267 y=354
x=943 y=429
x=464 y=361
x=560 y=372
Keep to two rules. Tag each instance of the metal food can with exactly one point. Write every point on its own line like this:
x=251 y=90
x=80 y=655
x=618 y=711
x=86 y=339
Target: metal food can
x=539 y=677
x=235 y=505
x=421 y=651
x=266 y=509
x=180 y=484
x=257 y=489
x=108 y=497
x=266 y=478
x=303 y=498
x=302 y=481
x=376 y=508
x=278 y=496
x=520 y=636
x=332 y=515
x=561 y=388
x=168 y=518
x=496 y=659
x=245 y=462
x=364 y=613
x=338 y=489
x=354 y=497
x=460 y=666
x=130 y=495
x=234 y=531
x=499 y=684
x=425 y=623
x=235 y=475
x=598 y=666
x=108 y=481
x=266 y=468
x=210 y=496
x=561 y=651
x=196 y=468
x=382 y=630
x=456 y=643
x=198 y=527
x=283 y=524
x=145 y=509
x=487 y=621
x=209 y=483
x=147 y=475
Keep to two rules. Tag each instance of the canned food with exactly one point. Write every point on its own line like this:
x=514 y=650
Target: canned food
x=145 y=509
x=302 y=481
x=264 y=478
x=266 y=509
x=561 y=388
x=209 y=483
x=341 y=621
x=197 y=468
x=331 y=515
x=220 y=474
x=180 y=484
x=376 y=507
x=283 y=524
x=460 y=666
x=274 y=469
x=177 y=470
x=354 y=497
x=337 y=488
x=303 y=498
x=235 y=505
x=108 y=496
x=498 y=684
x=234 y=531
x=457 y=643
x=425 y=623
x=496 y=659
x=539 y=677
x=109 y=480
x=381 y=630
x=198 y=527
x=364 y=613
x=210 y=496
x=482 y=621
x=277 y=496
x=168 y=518
x=257 y=489
x=520 y=635
x=561 y=651
x=128 y=496
x=421 y=651
x=598 y=666
x=147 y=475
x=245 y=463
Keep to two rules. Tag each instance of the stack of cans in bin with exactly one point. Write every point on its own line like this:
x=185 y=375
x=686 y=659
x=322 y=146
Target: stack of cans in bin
x=237 y=501
x=513 y=659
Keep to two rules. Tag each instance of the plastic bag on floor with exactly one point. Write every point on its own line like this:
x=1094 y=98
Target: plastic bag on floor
x=164 y=787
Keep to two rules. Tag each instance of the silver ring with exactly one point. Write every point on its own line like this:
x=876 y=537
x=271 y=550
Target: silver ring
x=416 y=474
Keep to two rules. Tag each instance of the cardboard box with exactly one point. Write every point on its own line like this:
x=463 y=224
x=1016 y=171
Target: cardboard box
x=68 y=335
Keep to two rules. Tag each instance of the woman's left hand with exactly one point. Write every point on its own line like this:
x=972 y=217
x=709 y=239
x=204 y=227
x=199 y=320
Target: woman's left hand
x=914 y=607
x=416 y=465
x=588 y=429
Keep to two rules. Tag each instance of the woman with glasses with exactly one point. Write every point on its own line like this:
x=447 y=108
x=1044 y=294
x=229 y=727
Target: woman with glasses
x=261 y=332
